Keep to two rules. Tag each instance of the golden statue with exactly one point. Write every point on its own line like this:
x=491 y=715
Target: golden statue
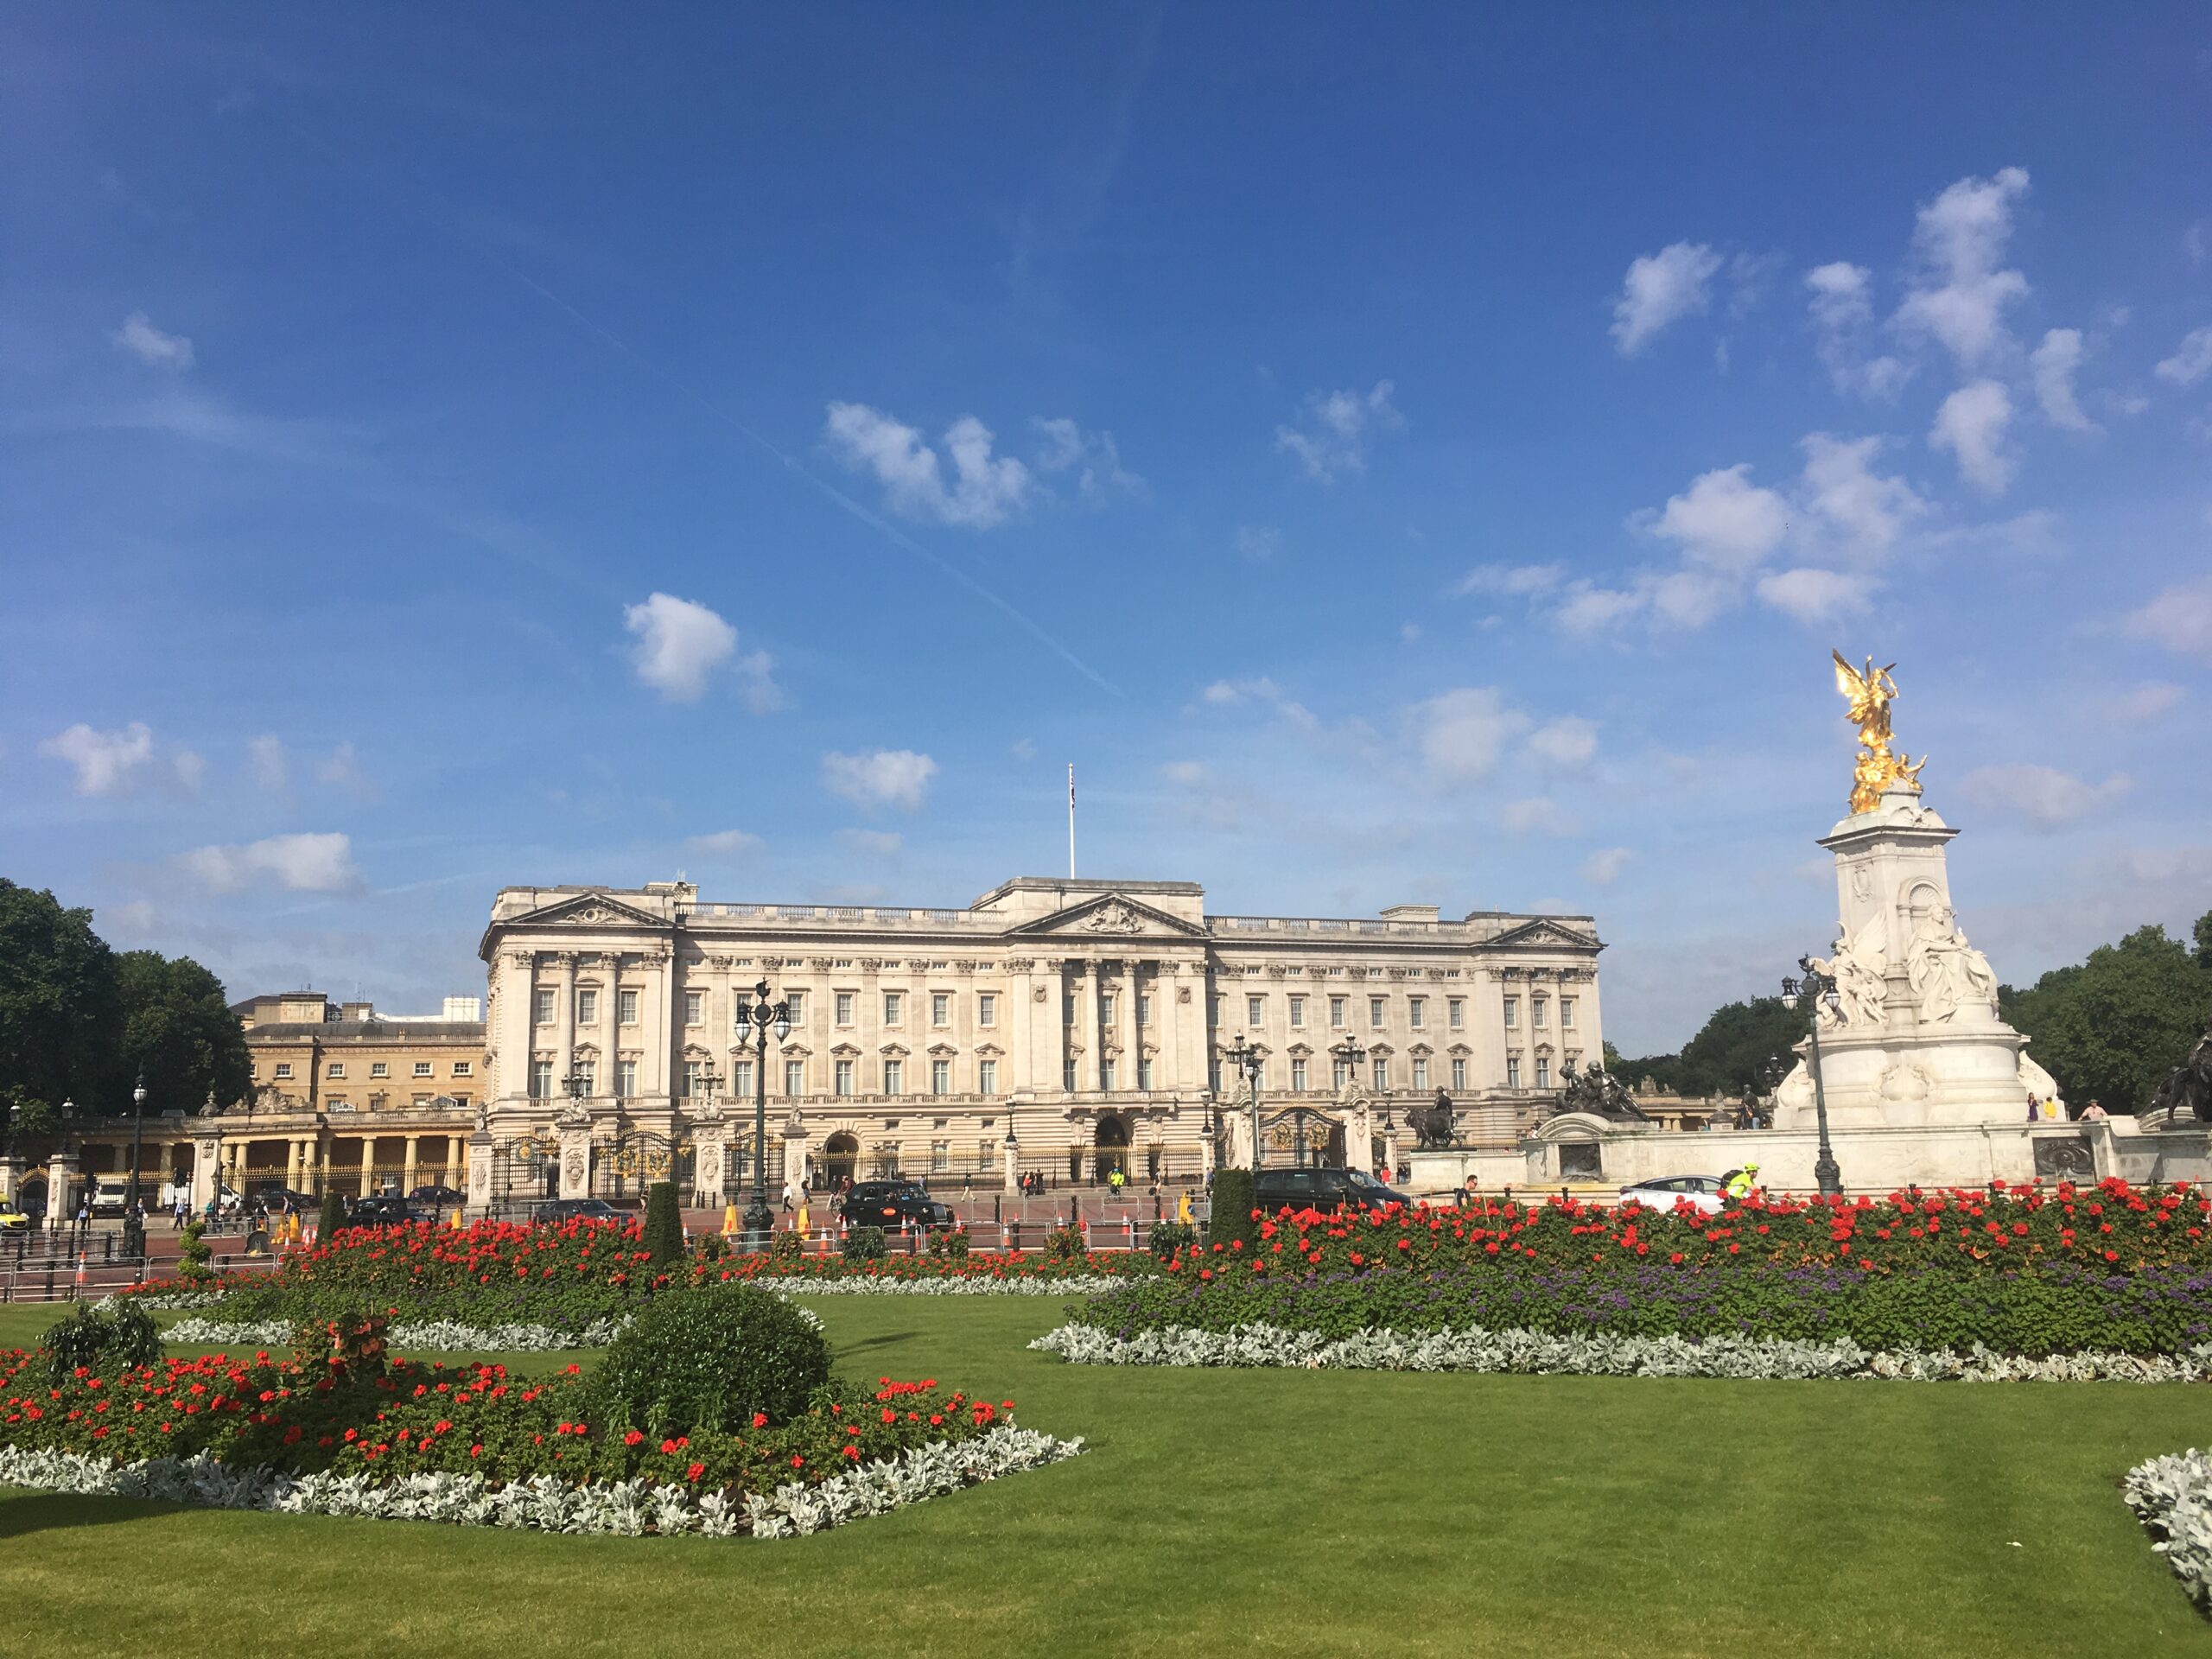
x=1869 y=691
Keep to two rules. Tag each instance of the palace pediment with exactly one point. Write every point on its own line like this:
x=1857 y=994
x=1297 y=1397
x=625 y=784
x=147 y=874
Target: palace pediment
x=587 y=910
x=1109 y=915
x=1543 y=933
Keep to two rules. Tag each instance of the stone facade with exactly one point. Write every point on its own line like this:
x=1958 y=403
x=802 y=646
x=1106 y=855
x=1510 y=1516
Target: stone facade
x=1084 y=1019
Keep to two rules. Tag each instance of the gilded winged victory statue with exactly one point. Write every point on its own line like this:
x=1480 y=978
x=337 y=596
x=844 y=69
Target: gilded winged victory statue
x=1869 y=691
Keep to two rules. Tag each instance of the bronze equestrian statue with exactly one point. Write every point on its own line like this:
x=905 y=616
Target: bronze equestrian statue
x=1432 y=1125
x=2189 y=1087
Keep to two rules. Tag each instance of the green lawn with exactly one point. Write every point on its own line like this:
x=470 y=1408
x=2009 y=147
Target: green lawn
x=1267 y=1511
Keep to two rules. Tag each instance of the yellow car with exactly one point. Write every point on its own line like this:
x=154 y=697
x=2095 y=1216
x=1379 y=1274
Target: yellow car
x=12 y=1218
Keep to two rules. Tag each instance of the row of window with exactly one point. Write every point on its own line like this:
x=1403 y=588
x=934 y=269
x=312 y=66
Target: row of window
x=1538 y=1006
x=845 y=1005
x=1379 y=1074
x=335 y=1070
x=378 y=1102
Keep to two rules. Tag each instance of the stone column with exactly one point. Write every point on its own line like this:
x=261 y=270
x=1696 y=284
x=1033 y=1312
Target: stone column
x=575 y=1161
x=406 y=1174
x=452 y=1161
x=60 y=1180
x=480 y=1172
x=326 y=1161
x=1011 y=1156
x=12 y=1176
x=795 y=1142
x=710 y=1163
x=207 y=1155
x=564 y=1059
x=1087 y=1027
x=368 y=1161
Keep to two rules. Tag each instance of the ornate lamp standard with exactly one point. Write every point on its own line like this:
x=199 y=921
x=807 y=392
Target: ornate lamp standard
x=1821 y=987
x=754 y=1021
x=138 y=1113
x=1247 y=1060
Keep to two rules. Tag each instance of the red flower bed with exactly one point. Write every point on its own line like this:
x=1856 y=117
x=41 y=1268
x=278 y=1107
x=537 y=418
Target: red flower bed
x=2111 y=1227
x=303 y=1415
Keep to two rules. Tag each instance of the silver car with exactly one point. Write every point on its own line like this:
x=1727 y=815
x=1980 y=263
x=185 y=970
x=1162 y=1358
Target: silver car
x=1699 y=1191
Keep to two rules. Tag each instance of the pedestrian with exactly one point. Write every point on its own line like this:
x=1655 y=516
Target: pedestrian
x=1183 y=1208
x=791 y=1197
x=2093 y=1113
x=2032 y=1113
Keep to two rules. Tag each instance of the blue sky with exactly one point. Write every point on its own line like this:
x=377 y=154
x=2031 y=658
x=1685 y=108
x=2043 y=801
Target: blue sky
x=1408 y=457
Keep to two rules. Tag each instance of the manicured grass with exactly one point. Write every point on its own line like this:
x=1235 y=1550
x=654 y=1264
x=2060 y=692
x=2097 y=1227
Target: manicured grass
x=1280 y=1512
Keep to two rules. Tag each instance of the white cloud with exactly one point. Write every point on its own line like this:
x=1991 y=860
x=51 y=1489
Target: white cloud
x=1331 y=437
x=1189 y=773
x=2180 y=619
x=876 y=844
x=113 y=763
x=1022 y=748
x=2192 y=361
x=725 y=844
x=342 y=767
x=1723 y=520
x=1958 y=243
x=1862 y=512
x=266 y=754
x=1538 y=815
x=680 y=643
x=2044 y=796
x=986 y=488
x=1971 y=425
x=1569 y=741
x=1812 y=595
x=2056 y=362
x=2142 y=704
x=1843 y=312
x=1230 y=693
x=189 y=768
x=300 y=863
x=1510 y=579
x=1587 y=608
x=149 y=344
x=1462 y=733
x=1256 y=544
x=882 y=778
x=1662 y=287
x=1092 y=457
x=1602 y=869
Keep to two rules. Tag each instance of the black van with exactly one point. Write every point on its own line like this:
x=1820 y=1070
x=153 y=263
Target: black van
x=1321 y=1189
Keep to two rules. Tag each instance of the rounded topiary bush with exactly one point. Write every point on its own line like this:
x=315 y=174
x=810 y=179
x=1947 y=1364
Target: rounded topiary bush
x=710 y=1359
x=862 y=1244
x=664 y=1224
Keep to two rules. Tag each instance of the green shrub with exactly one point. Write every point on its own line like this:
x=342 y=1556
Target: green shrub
x=332 y=1219
x=863 y=1244
x=1173 y=1238
x=785 y=1246
x=949 y=1244
x=1064 y=1244
x=102 y=1342
x=713 y=1246
x=1232 y=1210
x=710 y=1359
x=194 y=1254
x=664 y=1225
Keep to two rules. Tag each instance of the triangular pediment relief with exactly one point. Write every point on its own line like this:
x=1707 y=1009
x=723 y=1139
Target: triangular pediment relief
x=797 y=1052
x=1421 y=1049
x=894 y=1050
x=988 y=1052
x=1109 y=915
x=587 y=910
x=943 y=1048
x=845 y=1049
x=1540 y=934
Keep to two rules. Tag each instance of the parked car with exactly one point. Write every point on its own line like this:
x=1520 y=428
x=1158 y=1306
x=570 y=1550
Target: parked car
x=893 y=1204
x=556 y=1210
x=1321 y=1189
x=110 y=1194
x=275 y=1198
x=437 y=1198
x=14 y=1217
x=1699 y=1191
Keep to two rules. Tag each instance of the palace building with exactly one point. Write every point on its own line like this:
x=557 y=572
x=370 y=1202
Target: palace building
x=1056 y=1026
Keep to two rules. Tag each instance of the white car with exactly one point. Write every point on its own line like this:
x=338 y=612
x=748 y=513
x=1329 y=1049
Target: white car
x=1701 y=1192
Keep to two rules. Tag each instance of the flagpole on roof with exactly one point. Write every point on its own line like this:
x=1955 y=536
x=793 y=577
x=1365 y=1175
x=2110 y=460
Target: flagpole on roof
x=1070 y=820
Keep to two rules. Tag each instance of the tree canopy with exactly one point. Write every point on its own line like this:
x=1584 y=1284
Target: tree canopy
x=2110 y=1028
x=78 y=1021
x=1731 y=1051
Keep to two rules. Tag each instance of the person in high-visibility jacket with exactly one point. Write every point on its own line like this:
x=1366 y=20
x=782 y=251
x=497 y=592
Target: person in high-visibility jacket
x=1183 y=1208
x=1739 y=1184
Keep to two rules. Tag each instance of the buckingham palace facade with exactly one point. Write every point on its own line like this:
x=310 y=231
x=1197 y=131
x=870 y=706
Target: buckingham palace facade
x=1056 y=1026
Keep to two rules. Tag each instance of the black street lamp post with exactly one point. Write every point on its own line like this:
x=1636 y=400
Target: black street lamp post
x=138 y=1113
x=754 y=1021
x=1247 y=1060
x=1820 y=988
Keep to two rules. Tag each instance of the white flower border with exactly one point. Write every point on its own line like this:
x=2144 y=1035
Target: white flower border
x=1089 y=1284
x=627 y=1509
x=2172 y=1497
x=426 y=1336
x=1540 y=1353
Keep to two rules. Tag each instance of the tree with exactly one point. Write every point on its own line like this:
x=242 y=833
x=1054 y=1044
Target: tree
x=663 y=1238
x=178 y=1029
x=59 y=1009
x=1733 y=1050
x=2202 y=935
x=2110 y=1028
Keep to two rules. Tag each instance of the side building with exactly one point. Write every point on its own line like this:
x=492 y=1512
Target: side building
x=1054 y=1027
